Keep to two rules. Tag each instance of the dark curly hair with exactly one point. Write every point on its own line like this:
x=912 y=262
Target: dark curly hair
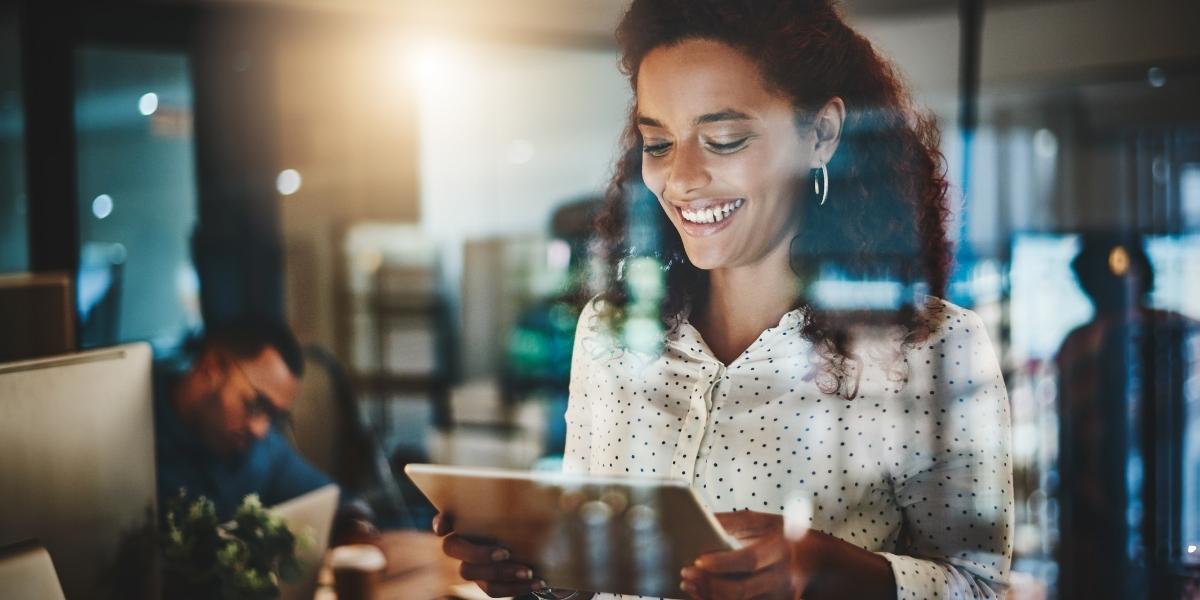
x=887 y=210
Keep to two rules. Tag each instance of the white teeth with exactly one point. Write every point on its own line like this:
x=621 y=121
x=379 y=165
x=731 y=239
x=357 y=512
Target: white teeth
x=714 y=214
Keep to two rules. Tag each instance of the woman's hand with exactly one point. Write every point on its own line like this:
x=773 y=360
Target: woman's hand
x=770 y=566
x=487 y=565
x=761 y=568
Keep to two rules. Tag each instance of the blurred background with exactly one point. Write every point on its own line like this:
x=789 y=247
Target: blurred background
x=411 y=183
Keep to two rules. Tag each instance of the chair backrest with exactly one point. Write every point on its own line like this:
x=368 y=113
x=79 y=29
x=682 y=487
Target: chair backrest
x=318 y=419
x=37 y=316
x=27 y=573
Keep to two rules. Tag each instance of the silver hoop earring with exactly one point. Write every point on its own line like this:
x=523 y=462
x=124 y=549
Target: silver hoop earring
x=821 y=188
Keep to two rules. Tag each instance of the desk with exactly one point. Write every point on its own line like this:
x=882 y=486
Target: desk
x=417 y=569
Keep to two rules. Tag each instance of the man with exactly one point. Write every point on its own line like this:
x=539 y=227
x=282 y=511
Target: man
x=1119 y=374
x=218 y=420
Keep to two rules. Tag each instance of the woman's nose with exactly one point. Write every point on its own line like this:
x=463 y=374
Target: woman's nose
x=688 y=172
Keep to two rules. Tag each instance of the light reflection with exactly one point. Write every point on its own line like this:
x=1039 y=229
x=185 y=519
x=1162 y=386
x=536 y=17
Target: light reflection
x=102 y=206
x=288 y=182
x=1156 y=77
x=1118 y=261
x=1045 y=144
x=148 y=103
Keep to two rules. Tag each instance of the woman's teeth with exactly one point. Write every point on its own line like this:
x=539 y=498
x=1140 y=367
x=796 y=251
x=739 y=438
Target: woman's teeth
x=715 y=214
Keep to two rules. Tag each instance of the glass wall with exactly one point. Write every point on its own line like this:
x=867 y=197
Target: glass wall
x=14 y=242
x=137 y=197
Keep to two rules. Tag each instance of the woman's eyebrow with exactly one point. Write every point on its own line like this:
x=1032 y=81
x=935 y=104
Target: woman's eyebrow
x=648 y=122
x=724 y=115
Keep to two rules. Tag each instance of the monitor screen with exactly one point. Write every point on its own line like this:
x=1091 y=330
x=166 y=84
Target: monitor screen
x=77 y=465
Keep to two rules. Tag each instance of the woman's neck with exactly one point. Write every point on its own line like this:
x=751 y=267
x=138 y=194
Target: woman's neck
x=744 y=301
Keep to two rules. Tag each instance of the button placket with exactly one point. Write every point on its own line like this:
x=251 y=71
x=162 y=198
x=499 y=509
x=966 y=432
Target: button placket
x=695 y=426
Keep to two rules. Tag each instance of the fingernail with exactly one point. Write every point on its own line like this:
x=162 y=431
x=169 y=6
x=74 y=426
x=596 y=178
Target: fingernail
x=524 y=574
x=687 y=587
x=499 y=554
x=688 y=573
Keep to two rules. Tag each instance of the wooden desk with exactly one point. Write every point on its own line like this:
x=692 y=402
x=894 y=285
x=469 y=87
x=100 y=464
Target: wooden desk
x=417 y=569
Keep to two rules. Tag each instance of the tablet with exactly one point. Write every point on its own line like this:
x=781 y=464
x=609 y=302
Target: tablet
x=621 y=535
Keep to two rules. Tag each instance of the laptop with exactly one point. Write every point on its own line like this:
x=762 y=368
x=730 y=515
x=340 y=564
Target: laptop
x=309 y=515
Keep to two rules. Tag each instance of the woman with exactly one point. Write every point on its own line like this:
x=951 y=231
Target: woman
x=779 y=146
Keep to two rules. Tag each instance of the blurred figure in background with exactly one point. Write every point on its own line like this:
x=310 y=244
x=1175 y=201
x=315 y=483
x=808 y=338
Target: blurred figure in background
x=1117 y=374
x=219 y=420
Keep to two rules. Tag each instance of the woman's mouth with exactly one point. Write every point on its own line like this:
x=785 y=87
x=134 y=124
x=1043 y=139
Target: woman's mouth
x=714 y=214
x=699 y=222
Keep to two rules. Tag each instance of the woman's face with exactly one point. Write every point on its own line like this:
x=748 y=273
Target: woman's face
x=721 y=152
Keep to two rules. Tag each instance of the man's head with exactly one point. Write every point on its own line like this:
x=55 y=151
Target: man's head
x=1114 y=271
x=243 y=379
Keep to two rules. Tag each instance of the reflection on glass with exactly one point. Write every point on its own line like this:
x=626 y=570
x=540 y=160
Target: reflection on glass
x=14 y=251
x=137 y=197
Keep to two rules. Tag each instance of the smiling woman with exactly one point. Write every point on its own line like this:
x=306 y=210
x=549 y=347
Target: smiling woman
x=770 y=142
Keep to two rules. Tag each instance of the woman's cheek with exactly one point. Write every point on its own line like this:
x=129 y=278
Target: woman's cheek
x=653 y=178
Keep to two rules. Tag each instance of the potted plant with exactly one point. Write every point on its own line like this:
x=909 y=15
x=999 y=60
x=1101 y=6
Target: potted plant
x=246 y=558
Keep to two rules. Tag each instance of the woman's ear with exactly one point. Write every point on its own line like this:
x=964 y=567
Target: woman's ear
x=827 y=126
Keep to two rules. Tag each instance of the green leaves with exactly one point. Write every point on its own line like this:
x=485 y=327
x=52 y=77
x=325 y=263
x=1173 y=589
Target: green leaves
x=243 y=559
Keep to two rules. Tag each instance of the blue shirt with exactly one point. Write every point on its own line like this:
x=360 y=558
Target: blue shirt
x=271 y=467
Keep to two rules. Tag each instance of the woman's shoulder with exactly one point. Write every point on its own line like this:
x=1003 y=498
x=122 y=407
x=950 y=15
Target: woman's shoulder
x=591 y=316
x=593 y=332
x=959 y=349
x=939 y=321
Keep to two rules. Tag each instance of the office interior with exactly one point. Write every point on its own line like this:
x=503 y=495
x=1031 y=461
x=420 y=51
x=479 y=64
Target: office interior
x=411 y=186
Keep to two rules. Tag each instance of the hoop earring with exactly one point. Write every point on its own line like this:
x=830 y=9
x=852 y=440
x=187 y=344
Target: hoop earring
x=821 y=188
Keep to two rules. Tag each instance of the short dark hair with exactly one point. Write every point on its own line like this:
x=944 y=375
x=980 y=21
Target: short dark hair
x=1108 y=289
x=247 y=337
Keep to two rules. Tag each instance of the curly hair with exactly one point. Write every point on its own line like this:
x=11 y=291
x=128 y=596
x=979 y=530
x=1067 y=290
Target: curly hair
x=887 y=209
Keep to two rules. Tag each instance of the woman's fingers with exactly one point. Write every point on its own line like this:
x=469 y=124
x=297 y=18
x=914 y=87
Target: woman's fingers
x=754 y=557
x=486 y=565
x=506 y=589
x=769 y=583
x=456 y=547
x=743 y=524
x=693 y=583
x=443 y=524
x=496 y=572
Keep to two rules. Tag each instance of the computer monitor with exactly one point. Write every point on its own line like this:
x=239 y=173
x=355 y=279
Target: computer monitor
x=77 y=466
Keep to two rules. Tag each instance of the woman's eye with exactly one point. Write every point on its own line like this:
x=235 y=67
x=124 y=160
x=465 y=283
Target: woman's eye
x=729 y=147
x=656 y=149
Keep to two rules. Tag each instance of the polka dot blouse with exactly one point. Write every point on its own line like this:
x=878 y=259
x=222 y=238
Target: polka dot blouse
x=916 y=467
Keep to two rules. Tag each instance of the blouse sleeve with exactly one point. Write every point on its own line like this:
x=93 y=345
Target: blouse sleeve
x=578 y=450
x=954 y=485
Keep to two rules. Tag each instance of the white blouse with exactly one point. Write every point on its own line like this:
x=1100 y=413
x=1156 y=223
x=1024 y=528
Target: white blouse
x=916 y=467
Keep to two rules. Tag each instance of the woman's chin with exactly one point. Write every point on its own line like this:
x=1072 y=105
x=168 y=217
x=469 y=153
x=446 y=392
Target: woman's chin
x=705 y=260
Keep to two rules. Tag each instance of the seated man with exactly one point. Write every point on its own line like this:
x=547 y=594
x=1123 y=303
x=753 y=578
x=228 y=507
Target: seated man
x=218 y=424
